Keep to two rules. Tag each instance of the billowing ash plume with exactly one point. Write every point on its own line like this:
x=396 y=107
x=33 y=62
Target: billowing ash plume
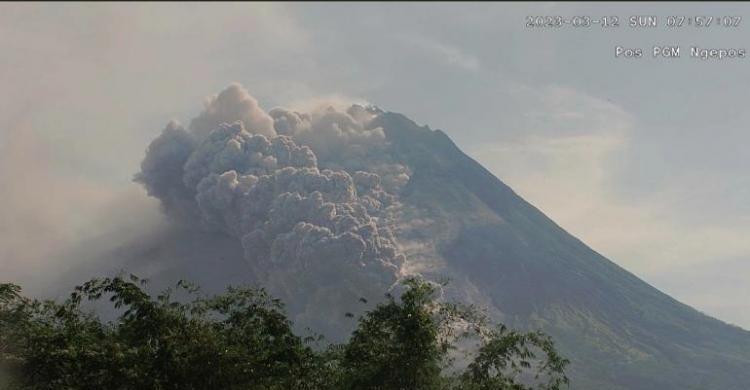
x=232 y=104
x=300 y=191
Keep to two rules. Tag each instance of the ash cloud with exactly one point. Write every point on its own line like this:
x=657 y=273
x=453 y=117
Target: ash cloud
x=344 y=141
x=233 y=104
x=162 y=171
x=304 y=193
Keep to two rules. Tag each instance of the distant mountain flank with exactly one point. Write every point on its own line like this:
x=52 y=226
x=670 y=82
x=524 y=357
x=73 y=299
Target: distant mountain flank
x=619 y=331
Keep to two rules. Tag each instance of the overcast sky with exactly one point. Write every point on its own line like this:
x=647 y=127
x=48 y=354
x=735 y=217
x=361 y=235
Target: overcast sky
x=645 y=159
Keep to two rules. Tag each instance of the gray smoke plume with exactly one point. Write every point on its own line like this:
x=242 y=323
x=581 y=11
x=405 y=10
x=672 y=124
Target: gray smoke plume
x=305 y=193
x=232 y=104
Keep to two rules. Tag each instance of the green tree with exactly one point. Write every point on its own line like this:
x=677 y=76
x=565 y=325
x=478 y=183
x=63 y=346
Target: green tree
x=405 y=344
x=239 y=340
x=508 y=359
x=397 y=345
x=12 y=314
x=243 y=340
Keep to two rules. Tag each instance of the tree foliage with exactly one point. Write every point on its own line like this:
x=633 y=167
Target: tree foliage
x=242 y=339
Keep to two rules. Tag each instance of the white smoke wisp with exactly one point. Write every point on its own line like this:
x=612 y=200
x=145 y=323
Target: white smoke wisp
x=304 y=193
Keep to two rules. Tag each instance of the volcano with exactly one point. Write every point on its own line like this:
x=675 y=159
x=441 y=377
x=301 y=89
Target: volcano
x=327 y=207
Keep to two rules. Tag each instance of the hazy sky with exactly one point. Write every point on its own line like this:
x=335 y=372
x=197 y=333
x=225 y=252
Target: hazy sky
x=644 y=159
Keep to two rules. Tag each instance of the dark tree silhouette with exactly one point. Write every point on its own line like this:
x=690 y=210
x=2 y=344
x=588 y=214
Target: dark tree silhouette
x=243 y=340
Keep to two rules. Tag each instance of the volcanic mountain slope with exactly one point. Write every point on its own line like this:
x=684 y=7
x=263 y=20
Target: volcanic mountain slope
x=323 y=208
x=500 y=251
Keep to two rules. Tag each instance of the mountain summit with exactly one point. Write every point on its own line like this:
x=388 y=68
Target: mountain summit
x=500 y=251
